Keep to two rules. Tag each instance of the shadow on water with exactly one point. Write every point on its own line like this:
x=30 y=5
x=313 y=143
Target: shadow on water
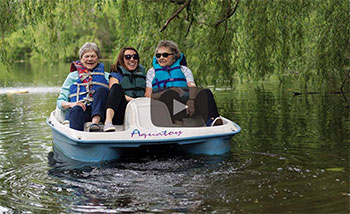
x=144 y=180
x=162 y=158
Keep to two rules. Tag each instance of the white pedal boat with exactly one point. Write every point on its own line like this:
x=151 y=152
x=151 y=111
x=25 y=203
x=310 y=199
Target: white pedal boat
x=138 y=130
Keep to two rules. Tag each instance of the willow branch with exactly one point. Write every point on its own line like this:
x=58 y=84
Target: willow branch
x=228 y=15
x=189 y=28
x=175 y=14
x=190 y=16
x=344 y=81
x=223 y=36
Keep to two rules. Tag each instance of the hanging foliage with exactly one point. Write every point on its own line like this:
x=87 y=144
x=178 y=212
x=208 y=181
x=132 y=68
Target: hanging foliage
x=223 y=40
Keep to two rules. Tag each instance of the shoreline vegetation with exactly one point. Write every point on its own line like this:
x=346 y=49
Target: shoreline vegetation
x=225 y=42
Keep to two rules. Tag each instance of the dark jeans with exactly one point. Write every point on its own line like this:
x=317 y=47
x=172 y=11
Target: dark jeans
x=116 y=101
x=77 y=117
x=205 y=105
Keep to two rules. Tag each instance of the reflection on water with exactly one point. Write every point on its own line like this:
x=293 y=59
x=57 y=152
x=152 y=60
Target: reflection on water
x=291 y=156
x=24 y=90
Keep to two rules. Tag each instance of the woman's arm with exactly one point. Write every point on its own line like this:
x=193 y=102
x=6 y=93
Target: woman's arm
x=68 y=105
x=148 y=92
x=112 y=81
x=189 y=76
x=63 y=99
x=149 y=78
x=192 y=90
x=128 y=98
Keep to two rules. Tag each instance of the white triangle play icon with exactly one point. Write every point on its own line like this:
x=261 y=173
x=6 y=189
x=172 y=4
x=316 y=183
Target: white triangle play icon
x=178 y=107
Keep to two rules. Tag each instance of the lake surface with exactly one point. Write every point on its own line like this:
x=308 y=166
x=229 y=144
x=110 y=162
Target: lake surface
x=292 y=156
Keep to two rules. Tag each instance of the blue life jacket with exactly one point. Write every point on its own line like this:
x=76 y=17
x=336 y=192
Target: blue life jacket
x=167 y=77
x=87 y=83
x=134 y=83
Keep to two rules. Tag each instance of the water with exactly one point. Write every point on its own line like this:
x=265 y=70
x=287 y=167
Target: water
x=292 y=156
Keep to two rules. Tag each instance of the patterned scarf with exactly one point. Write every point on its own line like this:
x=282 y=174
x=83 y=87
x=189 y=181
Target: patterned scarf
x=82 y=71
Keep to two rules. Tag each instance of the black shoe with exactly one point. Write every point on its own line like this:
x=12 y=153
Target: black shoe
x=94 y=128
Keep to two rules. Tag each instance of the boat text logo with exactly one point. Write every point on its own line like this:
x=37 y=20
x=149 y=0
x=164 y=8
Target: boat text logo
x=165 y=133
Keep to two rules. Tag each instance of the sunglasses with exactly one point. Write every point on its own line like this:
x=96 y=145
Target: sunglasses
x=128 y=56
x=165 y=55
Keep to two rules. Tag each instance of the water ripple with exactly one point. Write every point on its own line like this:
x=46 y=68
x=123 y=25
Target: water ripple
x=25 y=90
x=278 y=161
x=141 y=186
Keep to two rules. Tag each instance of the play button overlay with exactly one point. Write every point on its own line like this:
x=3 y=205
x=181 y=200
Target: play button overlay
x=178 y=106
x=168 y=109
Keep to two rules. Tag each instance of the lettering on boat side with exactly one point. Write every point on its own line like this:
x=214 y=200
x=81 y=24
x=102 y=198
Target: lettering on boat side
x=165 y=133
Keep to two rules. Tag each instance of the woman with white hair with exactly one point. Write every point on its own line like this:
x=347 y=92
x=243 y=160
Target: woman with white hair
x=84 y=92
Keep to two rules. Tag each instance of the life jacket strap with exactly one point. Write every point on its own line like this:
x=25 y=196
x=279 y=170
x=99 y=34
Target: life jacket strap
x=167 y=68
x=134 y=88
x=81 y=84
x=78 y=94
x=88 y=93
x=87 y=100
x=96 y=73
x=99 y=83
x=135 y=76
x=84 y=76
x=164 y=82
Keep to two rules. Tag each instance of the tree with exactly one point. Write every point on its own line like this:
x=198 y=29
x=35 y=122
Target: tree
x=223 y=40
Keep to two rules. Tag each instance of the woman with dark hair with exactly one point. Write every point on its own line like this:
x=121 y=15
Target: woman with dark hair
x=127 y=81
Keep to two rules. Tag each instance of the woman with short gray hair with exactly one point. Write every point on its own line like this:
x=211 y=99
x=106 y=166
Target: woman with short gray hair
x=169 y=79
x=84 y=93
x=87 y=47
x=171 y=45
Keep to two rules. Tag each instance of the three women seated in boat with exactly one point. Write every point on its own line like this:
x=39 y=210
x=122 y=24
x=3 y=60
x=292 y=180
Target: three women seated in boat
x=91 y=94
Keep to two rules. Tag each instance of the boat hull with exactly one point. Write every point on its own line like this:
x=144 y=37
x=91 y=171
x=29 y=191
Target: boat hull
x=137 y=132
x=92 y=152
x=103 y=151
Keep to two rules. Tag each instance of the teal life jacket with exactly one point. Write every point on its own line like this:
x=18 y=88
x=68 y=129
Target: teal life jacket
x=134 y=83
x=83 y=88
x=167 y=77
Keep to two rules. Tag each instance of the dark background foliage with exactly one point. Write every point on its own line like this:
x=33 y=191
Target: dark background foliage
x=224 y=40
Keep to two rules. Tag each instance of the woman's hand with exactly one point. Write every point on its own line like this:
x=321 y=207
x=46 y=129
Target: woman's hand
x=82 y=105
x=191 y=109
x=128 y=98
x=68 y=105
x=148 y=92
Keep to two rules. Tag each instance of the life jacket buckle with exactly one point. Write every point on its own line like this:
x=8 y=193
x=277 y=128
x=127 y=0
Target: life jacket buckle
x=87 y=100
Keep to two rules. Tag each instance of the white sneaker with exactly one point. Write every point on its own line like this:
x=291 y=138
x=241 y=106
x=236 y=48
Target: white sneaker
x=217 y=122
x=109 y=127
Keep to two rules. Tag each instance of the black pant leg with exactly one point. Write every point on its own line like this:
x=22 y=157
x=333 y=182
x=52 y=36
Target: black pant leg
x=205 y=105
x=116 y=101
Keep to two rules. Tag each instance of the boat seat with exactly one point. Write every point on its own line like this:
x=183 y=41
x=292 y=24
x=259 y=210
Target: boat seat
x=193 y=122
x=161 y=117
x=60 y=114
